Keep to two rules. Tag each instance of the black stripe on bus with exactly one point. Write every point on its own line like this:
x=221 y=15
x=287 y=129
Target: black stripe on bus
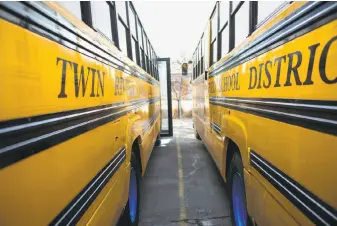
x=150 y=122
x=303 y=20
x=73 y=212
x=311 y=114
x=13 y=125
x=309 y=204
x=18 y=142
x=42 y=20
x=216 y=128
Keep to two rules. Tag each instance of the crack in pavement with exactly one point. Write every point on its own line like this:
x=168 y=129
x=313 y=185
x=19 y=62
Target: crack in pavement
x=197 y=221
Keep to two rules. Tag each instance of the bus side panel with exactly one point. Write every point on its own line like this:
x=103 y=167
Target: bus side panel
x=303 y=152
x=259 y=198
x=109 y=211
x=143 y=121
x=199 y=105
x=150 y=134
x=39 y=187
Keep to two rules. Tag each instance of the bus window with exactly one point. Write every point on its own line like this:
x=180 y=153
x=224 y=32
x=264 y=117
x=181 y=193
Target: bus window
x=132 y=20
x=213 y=52
x=235 y=5
x=266 y=8
x=223 y=28
x=134 y=37
x=224 y=12
x=73 y=7
x=214 y=32
x=202 y=53
x=242 y=23
x=122 y=37
x=121 y=10
x=224 y=41
x=134 y=49
x=101 y=18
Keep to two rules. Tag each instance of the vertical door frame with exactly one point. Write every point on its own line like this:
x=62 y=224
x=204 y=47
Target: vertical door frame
x=169 y=96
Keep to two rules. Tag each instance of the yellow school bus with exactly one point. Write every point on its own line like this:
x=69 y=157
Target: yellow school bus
x=79 y=112
x=265 y=105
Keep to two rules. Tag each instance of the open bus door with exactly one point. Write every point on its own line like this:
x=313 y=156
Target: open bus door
x=166 y=99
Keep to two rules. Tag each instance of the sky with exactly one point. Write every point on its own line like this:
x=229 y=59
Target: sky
x=174 y=28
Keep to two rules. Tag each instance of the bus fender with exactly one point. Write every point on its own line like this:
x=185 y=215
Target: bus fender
x=134 y=132
x=235 y=130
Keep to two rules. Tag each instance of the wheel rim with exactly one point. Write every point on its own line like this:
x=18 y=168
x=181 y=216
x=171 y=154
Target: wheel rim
x=133 y=199
x=239 y=202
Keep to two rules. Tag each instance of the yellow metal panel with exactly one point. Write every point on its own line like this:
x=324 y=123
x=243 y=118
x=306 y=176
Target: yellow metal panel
x=108 y=212
x=259 y=198
x=303 y=68
x=243 y=83
x=39 y=187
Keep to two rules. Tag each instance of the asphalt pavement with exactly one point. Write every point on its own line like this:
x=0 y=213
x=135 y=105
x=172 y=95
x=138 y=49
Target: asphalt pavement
x=182 y=185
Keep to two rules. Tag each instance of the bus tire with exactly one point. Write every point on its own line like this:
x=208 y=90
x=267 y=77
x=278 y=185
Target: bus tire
x=130 y=215
x=237 y=193
x=196 y=134
x=158 y=141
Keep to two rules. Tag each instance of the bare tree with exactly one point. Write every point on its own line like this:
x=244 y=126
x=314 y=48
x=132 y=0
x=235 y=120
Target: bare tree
x=180 y=91
x=179 y=83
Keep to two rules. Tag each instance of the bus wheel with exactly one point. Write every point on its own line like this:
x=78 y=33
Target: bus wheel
x=237 y=192
x=131 y=213
x=196 y=134
x=158 y=141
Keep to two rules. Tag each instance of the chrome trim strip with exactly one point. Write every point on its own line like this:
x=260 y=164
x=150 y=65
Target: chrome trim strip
x=320 y=107
x=291 y=194
x=28 y=125
x=122 y=154
x=315 y=119
x=294 y=186
x=36 y=139
x=100 y=185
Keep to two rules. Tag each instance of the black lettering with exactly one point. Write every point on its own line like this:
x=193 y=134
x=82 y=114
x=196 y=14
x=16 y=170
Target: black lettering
x=62 y=93
x=82 y=80
x=251 y=86
x=100 y=83
x=312 y=49
x=278 y=60
x=221 y=84
x=260 y=75
x=116 y=85
x=237 y=87
x=294 y=69
x=230 y=82
x=211 y=85
x=232 y=79
x=226 y=84
x=76 y=82
x=322 y=63
x=93 y=71
x=121 y=81
x=222 y=87
x=267 y=74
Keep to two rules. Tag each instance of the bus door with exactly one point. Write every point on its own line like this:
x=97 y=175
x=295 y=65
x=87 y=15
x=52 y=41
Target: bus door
x=164 y=66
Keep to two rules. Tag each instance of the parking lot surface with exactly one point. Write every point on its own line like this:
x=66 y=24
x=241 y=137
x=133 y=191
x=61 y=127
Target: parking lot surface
x=182 y=185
